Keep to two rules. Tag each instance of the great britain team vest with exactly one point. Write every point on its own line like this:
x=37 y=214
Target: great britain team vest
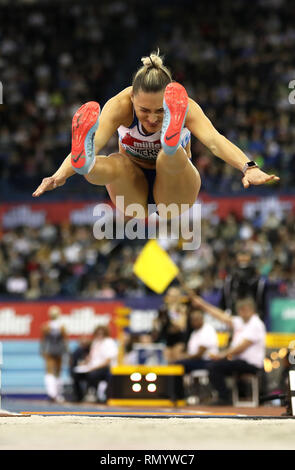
x=145 y=146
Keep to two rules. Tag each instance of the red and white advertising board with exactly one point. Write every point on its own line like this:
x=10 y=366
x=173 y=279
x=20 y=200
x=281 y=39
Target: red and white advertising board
x=79 y=213
x=23 y=320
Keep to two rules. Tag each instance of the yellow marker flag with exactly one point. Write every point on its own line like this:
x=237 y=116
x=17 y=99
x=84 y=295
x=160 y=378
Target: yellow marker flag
x=154 y=267
x=122 y=311
x=122 y=321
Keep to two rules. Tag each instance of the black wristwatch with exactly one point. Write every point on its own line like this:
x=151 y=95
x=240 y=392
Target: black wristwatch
x=248 y=165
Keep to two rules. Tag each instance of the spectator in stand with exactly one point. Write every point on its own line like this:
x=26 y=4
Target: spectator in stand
x=95 y=370
x=106 y=291
x=43 y=90
x=38 y=268
x=53 y=348
x=130 y=354
x=202 y=343
x=246 y=352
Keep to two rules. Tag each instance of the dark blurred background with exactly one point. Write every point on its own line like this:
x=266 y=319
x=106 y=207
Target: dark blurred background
x=236 y=59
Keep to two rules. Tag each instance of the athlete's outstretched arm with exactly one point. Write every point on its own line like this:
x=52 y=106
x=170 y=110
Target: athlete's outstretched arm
x=113 y=114
x=202 y=128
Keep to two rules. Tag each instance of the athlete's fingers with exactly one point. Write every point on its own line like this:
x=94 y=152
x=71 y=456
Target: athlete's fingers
x=44 y=186
x=245 y=182
x=270 y=177
x=275 y=178
x=48 y=184
x=266 y=179
x=39 y=190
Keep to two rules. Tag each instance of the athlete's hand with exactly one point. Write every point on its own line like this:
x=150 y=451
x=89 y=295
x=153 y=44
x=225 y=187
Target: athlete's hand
x=49 y=183
x=256 y=176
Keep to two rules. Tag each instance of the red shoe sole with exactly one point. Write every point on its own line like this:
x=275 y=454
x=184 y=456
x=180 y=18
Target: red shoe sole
x=83 y=120
x=176 y=99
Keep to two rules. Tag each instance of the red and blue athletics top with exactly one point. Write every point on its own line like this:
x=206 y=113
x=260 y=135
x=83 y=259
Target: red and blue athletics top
x=145 y=146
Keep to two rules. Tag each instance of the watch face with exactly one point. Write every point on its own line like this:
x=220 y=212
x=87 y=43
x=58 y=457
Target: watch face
x=251 y=164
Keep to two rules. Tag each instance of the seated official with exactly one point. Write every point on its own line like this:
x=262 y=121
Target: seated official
x=96 y=367
x=80 y=353
x=246 y=352
x=202 y=343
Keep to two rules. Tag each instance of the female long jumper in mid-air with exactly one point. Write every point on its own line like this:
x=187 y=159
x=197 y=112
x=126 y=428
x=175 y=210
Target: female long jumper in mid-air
x=154 y=119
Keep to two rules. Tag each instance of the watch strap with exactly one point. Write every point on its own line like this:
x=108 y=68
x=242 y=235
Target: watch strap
x=249 y=165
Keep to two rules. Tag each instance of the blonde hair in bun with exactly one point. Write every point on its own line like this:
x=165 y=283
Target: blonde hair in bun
x=153 y=60
x=152 y=76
